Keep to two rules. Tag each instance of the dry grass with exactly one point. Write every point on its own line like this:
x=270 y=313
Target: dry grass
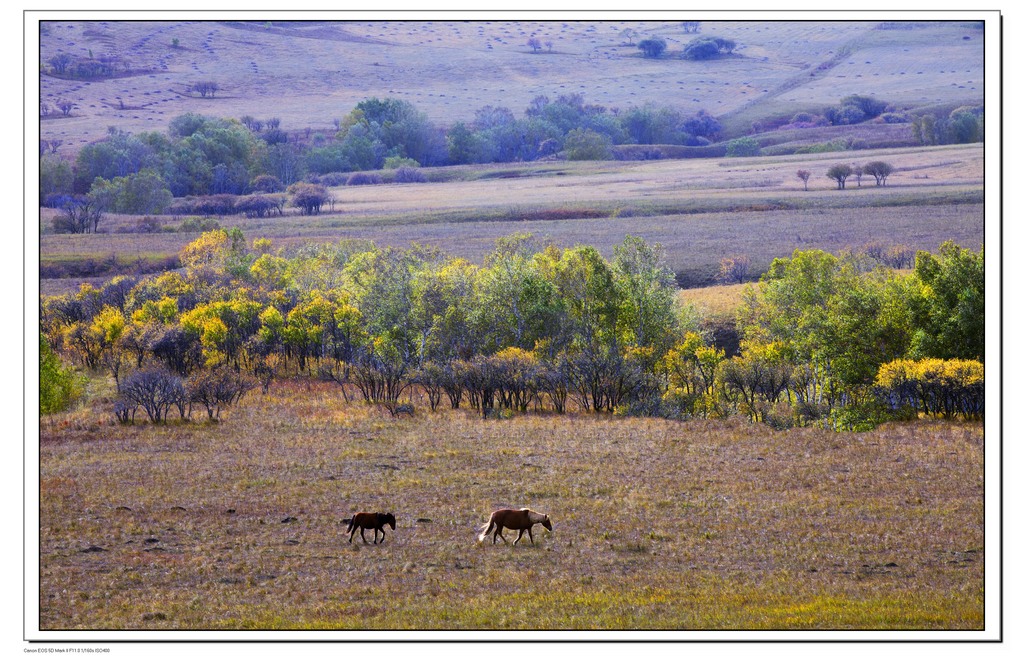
x=717 y=525
x=450 y=69
x=700 y=211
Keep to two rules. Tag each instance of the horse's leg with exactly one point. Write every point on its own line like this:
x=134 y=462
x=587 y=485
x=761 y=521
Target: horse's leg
x=521 y=531
x=362 y=533
x=353 y=531
x=382 y=535
x=530 y=530
x=497 y=534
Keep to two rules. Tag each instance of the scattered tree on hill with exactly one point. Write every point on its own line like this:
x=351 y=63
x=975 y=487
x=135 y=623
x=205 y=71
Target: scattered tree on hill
x=839 y=174
x=880 y=170
x=652 y=47
x=205 y=88
x=66 y=106
x=706 y=48
x=803 y=175
x=691 y=26
x=629 y=34
x=869 y=105
x=60 y=63
x=534 y=43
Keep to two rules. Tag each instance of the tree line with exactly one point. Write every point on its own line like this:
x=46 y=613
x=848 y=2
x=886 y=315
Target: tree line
x=203 y=156
x=535 y=327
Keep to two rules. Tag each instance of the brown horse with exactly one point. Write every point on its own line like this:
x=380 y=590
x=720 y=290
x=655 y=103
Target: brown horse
x=522 y=520
x=375 y=520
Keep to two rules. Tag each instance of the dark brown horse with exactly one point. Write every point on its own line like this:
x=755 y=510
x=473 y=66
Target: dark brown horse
x=375 y=520
x=522 y=520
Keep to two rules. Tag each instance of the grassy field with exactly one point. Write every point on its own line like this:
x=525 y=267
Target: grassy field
x=700 y=210
x=657 y=524
x=311 y=73
x=701 y=525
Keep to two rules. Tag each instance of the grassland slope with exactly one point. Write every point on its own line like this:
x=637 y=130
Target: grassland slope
x=309 y=74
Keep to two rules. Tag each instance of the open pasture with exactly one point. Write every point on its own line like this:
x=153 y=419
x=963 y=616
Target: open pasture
x=700 y=210
x=311 y=73
x=657 y=524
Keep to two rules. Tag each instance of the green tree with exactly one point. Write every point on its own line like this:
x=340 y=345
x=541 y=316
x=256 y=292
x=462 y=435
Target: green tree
x=58 y=385
x=143 y=192
x=839 y=174
x=586 y=145
x=646 y=291
x=745 y=146
x=516 y=303
x=652 y=47
x=55 y=177
x=950 y=314
x=880 y=170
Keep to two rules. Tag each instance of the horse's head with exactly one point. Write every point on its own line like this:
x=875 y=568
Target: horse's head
x=389 y=519
x=546 y=522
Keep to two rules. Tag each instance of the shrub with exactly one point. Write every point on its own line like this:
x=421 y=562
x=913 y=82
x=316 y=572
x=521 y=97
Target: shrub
x=870 y=106
x=407 y=175
x=329 y=179
x=652 y=47
x=259 y=206
x=266 y=183
x=156 y=391
x=148 y=225
x=206 y=205
x=396 y=162
x=215 y=389
x=364 y=179
x=197 y=224
x=743 y=147
x=895 y=118
x=308 y=197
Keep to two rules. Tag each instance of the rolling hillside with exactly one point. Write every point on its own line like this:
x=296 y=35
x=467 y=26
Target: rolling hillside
x=310 y=74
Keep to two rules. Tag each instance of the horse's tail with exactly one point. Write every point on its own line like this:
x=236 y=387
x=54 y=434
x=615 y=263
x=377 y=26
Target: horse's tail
x=490 y=526
x=351 y=524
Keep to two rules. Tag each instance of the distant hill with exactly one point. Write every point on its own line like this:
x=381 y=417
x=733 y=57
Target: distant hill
x=141 y=74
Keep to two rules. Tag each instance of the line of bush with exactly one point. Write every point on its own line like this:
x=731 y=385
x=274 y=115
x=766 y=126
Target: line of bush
x=540 y=327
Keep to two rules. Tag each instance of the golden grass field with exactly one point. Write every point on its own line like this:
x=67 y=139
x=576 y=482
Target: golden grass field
x=657 y=524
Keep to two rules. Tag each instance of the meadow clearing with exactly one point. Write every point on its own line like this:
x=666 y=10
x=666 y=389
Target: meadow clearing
x=657 y=524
